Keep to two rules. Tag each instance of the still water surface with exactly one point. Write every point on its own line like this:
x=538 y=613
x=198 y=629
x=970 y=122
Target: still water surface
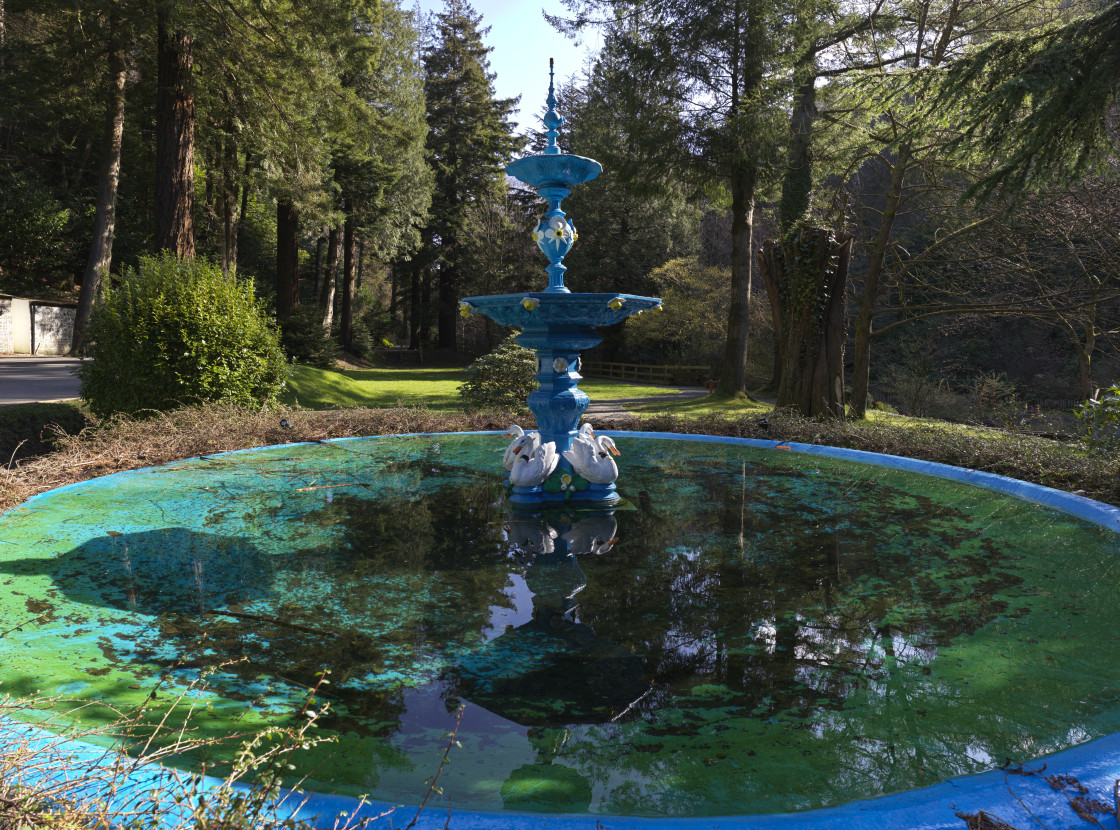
x=751 y=631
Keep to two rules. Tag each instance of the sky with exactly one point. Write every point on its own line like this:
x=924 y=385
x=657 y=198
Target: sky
x=522 y=43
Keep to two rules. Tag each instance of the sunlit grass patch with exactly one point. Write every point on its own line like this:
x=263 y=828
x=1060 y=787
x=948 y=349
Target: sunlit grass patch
x=435 y=388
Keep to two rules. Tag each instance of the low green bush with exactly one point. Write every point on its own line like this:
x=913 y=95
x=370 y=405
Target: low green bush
x=502 y=379
x=1099 y=420
x=173 y=332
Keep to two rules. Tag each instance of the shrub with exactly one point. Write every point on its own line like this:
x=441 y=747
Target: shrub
x=305 y=340
x=173 y=332
x=502 y=379
x=996 y=402
x=1100 y=421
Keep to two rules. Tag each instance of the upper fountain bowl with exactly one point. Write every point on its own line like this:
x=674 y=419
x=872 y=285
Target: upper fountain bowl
x=554 y=170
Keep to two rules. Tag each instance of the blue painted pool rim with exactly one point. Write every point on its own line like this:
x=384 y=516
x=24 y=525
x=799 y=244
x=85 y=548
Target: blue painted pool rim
x=1021 y=800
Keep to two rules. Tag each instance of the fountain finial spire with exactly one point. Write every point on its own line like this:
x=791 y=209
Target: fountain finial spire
x=552 y=119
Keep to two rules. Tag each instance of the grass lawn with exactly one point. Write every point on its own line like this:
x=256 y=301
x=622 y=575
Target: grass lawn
x=433 y=388
x=313 y=388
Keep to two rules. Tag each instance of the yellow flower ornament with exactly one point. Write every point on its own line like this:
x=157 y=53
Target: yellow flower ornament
x=616 y=303
x=530 y=303
x=465 y=309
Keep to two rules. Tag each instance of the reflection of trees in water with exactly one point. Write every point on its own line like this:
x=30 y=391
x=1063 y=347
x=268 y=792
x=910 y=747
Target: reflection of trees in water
x=791 y=599
x=414 y=577
x=793 y=609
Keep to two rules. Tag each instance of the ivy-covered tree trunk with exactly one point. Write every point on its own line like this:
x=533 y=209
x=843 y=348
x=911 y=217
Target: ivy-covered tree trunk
x=806 y=277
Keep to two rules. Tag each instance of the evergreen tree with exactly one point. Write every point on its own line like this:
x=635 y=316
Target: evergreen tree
x=637 y=215
x=470 y=139
x=1036 y=101
x=716 y=63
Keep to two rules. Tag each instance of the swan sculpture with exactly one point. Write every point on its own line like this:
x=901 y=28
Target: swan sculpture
x=590 y=456
x=523 y=444
x=532 y=468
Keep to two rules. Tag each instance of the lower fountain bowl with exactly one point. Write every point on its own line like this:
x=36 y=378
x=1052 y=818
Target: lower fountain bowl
x=758 y=635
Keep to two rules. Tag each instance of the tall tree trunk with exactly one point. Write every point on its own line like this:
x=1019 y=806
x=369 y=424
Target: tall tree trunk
x=862 y=343
x=287 y=258
x=394 y=278
x=320 y=249
x=448 y=310
x=733 y=378
x=326 y=294
x=747 y=72
x=346 y=329
x=414 y=313
x=174 y=185
x=361 y=263
x=105 y=214
x=861 y=372
x=228 y=216
x=808 y=273
x=770 y=265
x=797 y=181
x=425 y=310
x=244 y=203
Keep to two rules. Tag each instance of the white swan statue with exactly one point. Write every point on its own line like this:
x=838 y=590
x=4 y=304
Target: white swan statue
x=590 y=456
x=531 y=469
x=523 y=444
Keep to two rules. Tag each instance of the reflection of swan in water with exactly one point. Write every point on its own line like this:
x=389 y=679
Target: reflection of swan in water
x=590 y=456
x=531 y=469
x=532 y=537
x=523 y=443
x=595 y=534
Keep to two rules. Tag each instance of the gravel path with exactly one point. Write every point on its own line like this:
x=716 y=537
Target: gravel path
x=619 y=406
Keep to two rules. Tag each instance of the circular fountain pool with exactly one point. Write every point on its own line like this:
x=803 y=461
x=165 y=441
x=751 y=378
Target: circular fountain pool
x=754 y=630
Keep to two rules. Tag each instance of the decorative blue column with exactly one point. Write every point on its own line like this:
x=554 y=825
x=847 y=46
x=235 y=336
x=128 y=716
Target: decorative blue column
x=559 y=463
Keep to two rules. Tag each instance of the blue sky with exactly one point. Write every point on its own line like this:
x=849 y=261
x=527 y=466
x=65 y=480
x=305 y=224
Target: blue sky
x=522 y=43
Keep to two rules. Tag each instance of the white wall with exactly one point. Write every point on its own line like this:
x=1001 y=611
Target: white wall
x=30 y=326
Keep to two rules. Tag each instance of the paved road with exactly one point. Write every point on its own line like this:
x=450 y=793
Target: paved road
x=38 y=379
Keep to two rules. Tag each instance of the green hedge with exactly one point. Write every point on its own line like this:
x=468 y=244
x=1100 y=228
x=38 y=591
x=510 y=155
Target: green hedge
x=174 y=332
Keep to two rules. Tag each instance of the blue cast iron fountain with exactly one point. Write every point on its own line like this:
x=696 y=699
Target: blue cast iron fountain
x=558 y=463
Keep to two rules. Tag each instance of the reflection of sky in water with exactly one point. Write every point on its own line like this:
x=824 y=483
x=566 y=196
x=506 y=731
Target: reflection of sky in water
x=752 y=631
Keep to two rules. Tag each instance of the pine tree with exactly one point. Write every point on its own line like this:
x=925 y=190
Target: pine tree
x=717 y=63
x=470 y=139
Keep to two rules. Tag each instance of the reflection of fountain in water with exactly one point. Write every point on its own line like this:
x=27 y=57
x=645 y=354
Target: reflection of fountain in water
x=571 y=676
x=553 y=670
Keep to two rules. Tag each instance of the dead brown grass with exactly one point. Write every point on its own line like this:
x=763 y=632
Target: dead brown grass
x=131 y=443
